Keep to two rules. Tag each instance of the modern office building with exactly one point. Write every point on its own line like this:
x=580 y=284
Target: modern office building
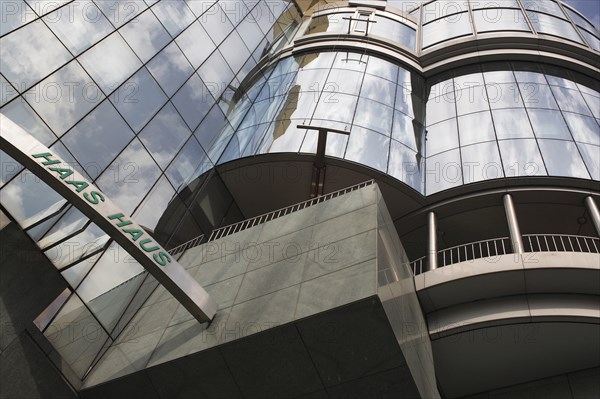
x=384 y=198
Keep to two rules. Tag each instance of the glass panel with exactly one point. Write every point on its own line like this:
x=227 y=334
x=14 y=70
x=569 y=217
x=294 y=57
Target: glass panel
x=22 y=114
x=443 y=171
x=352 y=61
x=563 y=159
x=29 y=54
x=170 y=68
x=406 y=166
x=368 y=148
x=165 y=135
x=537 y=95
x=9 y=168
x=129 y=178
x=381 y=90
x=111 y=284
x=549 y=124
x=592 y=40
x=139 y=99
x=234 y=51
x=481 y=162
x=512 y=123
x=471 y=100
x=594 y=103
x=374 y=115
x=504 y=95
x=343 y=111
x=446 y=28
x=27 y=196
x=314 y=80
x=82 y=17
x=408 y=131
x=42 y=7
x=193 y=101
x=72 y=221
x=547 y=6
x=188 y=165
x=591 y=156
x=581 y=21
x=583 y=128
x=76 y=335
x=120 y=12
x=217 y=24
x=154 y=206
x=329 y=23
x=110 y=62
x=521 y=158
x=174 y=15
x=250 y=33
x=476 y=128
x=13 y=14
x=285 y=137
x=7 y=91
x=89 y=241
x=336 y=143
x=490 y=20
x=437 y=9
x=570 y=100
x=145 y=35
x=216 y=74
x=441 y=137
x=394 y=31
x=210 y=127
x=63 y=98
x=98 y=138
x=441 y=108
x=553 y=26
x=196 y=44
x=383 y=69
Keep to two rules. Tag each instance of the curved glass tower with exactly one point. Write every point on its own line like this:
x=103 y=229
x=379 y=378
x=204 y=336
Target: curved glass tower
x=479 y=121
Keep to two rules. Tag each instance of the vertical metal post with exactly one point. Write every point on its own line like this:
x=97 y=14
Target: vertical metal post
x=432 y=241
x=513 y=225
x=594 y=213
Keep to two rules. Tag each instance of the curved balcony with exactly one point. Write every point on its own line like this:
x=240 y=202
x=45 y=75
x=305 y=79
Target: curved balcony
x=497 y=247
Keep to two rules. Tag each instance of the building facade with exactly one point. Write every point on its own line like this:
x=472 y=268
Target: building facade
x=479 y=121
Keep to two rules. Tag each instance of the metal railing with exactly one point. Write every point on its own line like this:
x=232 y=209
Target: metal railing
x=502 y=246
x=560 y=243
x=255 y=221
x=194 y=242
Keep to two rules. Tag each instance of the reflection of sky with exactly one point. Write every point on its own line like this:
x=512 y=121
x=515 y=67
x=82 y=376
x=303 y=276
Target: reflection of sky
x=589 y=8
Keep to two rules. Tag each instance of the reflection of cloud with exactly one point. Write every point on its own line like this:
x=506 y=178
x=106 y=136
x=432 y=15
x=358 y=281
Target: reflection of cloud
x=30 y=53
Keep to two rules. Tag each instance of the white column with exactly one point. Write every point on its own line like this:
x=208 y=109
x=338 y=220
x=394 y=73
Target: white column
x=432 y=241
x=513 y=225
x=594 y=213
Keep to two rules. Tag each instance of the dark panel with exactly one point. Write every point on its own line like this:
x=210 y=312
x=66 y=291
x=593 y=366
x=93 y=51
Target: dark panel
x=27 y=373
x=274 y=364
x=392 y=384
x=28 y=283
x=203 y=375
x=351 y=342
x=133 y=386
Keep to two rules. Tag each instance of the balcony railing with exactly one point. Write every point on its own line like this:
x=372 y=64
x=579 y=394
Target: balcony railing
x=255 y=221
x=502 y=246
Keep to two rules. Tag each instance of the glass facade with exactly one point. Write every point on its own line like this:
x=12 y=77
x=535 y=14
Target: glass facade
x=130 y=93
x=147 y=98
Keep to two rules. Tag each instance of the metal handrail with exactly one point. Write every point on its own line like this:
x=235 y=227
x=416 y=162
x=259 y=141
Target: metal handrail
x=560 y=243
x=186 y=245
x=502 y=246
x=248 y=223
